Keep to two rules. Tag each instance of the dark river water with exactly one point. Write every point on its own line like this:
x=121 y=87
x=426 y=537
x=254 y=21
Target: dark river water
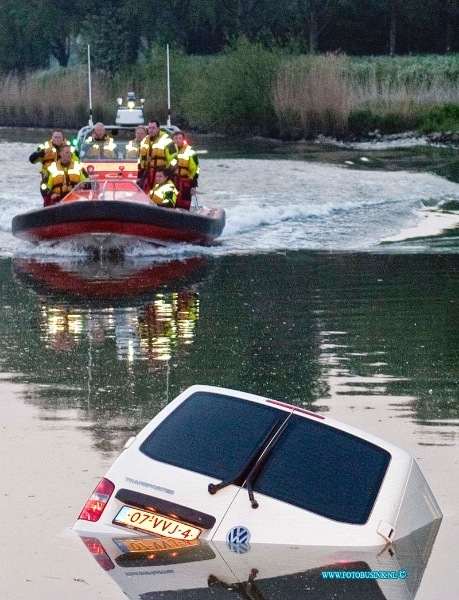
x=332 y=288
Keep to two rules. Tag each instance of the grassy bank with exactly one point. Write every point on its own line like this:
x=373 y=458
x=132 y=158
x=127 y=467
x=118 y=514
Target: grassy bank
x=254 y=90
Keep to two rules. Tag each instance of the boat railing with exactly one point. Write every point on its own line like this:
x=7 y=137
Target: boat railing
x=96 y=189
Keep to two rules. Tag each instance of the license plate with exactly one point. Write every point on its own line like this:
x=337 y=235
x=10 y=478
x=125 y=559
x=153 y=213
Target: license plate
x=154 y=545
x=155 y=523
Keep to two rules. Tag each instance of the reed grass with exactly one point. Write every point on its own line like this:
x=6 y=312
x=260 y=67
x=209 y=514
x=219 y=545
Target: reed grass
x=48 y=99
x=253 y=90
x=310 y=97
x=337 y=95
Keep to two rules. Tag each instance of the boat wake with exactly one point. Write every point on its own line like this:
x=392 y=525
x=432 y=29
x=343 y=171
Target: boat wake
x=271 y=205
x=438 y=226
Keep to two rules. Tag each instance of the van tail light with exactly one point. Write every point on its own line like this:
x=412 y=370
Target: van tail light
x=98 y=551
x=96 y=504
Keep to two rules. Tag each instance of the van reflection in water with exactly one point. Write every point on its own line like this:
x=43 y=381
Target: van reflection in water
x=153 y=568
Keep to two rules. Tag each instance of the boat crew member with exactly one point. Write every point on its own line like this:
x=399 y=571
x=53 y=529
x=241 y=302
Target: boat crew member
x=48 y=152
x=186 y=170
x=156 y=150
x=133 y=147
x=61 y=177
x=164 y=192
x=101 y=145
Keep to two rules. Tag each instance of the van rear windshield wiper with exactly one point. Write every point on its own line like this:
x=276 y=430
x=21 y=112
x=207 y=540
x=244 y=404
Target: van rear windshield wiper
x=258 y=466
x=213 y=488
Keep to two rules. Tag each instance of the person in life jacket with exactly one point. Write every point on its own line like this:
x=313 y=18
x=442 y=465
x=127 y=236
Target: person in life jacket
x=61 y=177
x=48 y=152
x=186 y=170
x=164 y=192
x=156 y=151
x=99 y=145
x=133 y=147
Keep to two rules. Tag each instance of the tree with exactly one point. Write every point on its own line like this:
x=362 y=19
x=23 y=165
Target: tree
x=22 y=47
x=59 y=25
x=393 y=26
x=103 y=29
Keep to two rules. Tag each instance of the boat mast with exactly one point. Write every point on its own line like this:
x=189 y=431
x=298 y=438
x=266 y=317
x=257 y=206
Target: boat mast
x=168 y=90
x=89 y=86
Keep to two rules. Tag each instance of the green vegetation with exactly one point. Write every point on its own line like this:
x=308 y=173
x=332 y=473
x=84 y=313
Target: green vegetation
x=233 y=91
x=121 y=32
x=252 y=89
x=441 y=118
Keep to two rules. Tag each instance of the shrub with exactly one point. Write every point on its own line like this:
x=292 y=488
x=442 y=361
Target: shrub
x=251 y=89
x=361 y=121
x=233 y=92
x=441 y=118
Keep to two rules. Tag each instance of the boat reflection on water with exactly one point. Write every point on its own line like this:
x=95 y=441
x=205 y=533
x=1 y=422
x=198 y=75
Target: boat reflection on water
x=149 y=308
x=150 y=568
x=109 y=280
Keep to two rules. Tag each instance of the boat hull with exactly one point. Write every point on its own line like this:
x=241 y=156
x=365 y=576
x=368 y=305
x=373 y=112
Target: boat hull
x=93 y=222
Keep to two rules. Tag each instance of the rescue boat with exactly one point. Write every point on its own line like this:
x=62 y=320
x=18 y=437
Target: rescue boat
x=116 y=212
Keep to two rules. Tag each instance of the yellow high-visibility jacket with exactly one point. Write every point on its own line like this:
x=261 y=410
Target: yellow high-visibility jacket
x=100 y=148
x=156 y=152
x=48 y=153
x=132 y=149
x=186 y=164
x=164 y=194
x=60 y=179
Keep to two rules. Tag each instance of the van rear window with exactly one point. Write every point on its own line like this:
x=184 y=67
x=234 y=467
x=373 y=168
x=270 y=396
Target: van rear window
x=324 y=470
x=312 y=466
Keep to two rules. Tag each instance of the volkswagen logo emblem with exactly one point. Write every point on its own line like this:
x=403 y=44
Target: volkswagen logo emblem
x=237 y=540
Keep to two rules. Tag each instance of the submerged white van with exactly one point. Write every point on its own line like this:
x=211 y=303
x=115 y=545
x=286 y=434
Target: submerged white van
x=226 y=466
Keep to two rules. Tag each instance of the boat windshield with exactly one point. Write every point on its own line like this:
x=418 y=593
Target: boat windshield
x=120 y=145
x=120 y=150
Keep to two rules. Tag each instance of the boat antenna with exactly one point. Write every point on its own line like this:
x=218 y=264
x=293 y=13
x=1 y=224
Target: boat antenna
x=168 y=373
x=90 y=122
x=90 y=363
x=168 y=89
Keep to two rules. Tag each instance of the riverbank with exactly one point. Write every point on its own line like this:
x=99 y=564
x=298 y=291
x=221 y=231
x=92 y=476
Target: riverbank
x=255 y=91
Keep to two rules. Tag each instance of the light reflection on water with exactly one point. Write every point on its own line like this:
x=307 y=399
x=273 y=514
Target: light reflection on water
x=150 y=333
